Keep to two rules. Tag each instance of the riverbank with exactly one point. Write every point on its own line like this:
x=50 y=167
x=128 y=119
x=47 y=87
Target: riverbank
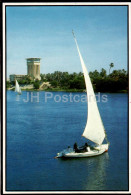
x=67 y=90
x=115 y=82
x=51 y=89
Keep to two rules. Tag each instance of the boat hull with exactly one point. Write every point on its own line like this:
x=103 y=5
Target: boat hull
x=70 y=153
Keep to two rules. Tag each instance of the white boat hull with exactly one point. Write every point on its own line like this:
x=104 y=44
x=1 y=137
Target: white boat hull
x=70 y=153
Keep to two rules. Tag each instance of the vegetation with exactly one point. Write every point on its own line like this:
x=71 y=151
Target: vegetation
x=64 y=80
x=117 y=81
x=25 y=80
x=36 y=84
x=8 y=84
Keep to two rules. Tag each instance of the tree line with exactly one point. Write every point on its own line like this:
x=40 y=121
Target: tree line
x=116 y=81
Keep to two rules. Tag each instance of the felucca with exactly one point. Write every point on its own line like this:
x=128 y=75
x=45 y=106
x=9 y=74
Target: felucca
x=94 y=129
x=17 y=88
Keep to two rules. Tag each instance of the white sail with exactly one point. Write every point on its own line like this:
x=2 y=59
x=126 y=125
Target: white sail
x=17 y=87
x=94 y=129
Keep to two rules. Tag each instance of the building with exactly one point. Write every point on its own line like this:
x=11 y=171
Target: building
x=14 y=77
x=33 y=68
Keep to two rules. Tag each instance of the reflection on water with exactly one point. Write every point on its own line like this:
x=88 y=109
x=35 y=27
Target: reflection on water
x=91 y=171
x=17 y=97
x=97 y=175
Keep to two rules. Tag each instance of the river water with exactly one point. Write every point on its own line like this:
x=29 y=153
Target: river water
x=41 y=124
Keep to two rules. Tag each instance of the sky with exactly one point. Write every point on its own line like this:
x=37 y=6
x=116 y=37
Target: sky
x=46 y=32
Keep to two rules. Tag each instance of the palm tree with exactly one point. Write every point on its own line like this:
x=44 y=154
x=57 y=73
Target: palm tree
x=111 y=66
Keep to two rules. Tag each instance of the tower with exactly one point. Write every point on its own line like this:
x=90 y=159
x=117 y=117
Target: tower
x=33 y=68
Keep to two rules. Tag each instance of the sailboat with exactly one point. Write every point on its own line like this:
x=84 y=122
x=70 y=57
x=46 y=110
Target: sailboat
x=94 y=129
x=17 y=88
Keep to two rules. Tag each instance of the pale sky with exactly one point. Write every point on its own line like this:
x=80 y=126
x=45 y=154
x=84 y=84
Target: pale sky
x=46 y=32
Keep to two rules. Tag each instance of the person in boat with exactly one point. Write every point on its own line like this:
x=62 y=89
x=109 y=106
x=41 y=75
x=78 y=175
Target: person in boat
x=85 y=145
x=88 y=147
x=84 y=148
x=75 y=147
x=69 y=148
x=81 y=149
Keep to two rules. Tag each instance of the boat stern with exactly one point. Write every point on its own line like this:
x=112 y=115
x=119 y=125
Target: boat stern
x=104 y=147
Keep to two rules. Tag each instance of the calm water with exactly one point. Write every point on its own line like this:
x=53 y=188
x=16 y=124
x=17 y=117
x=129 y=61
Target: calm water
x=36 y=131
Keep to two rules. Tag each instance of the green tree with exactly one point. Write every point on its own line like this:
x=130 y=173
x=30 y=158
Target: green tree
x=95 y=74
x=54 y=83
x=36 y=84
x=77 y=83
x=25 y=80
x=8 y=84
